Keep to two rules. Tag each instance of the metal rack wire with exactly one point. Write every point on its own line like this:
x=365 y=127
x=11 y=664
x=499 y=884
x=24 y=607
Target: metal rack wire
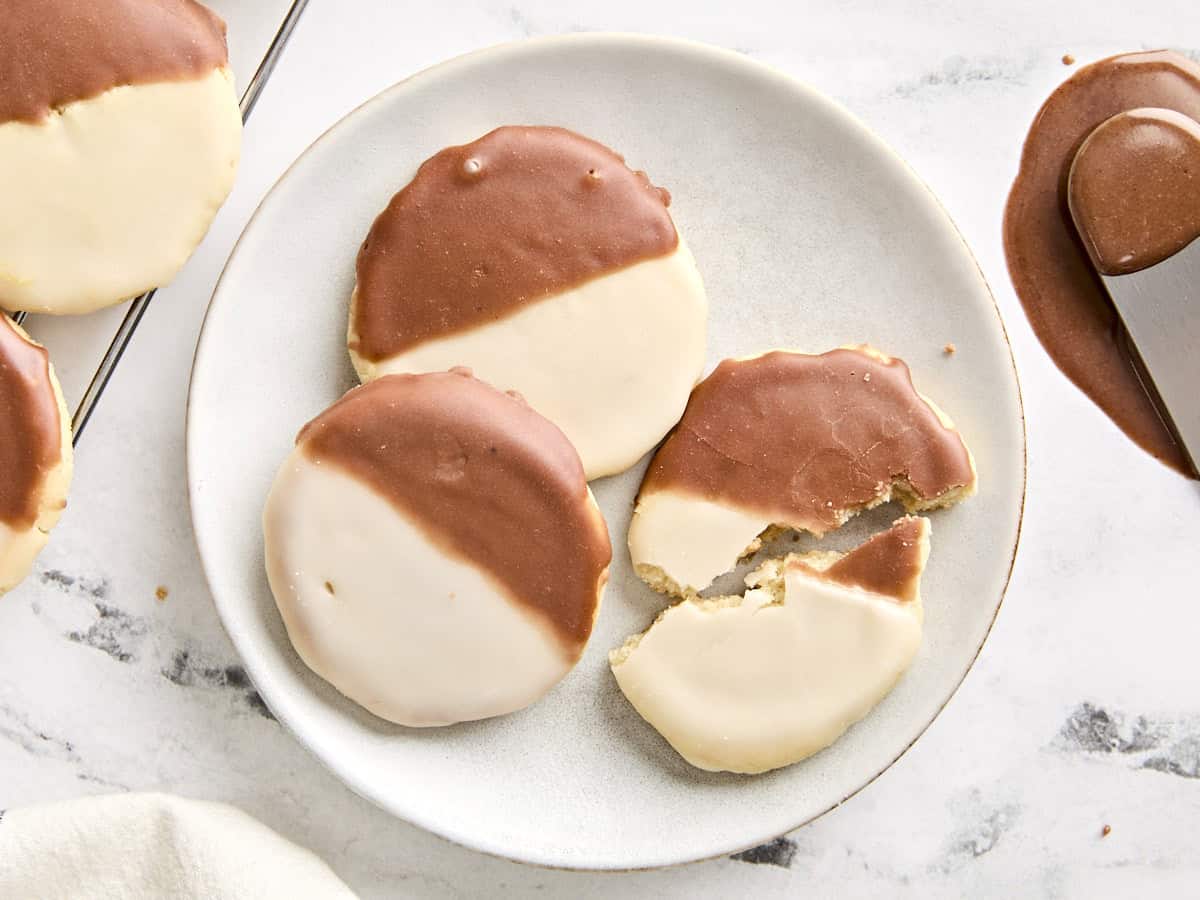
x=137 y=307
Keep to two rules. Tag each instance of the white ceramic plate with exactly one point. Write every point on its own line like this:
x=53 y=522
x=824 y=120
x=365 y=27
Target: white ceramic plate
x=809 y=232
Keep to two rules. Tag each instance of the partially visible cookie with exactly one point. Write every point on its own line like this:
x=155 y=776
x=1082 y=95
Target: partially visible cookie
x=536 y=257
x=119 y=140
x=35 y=452
x=752 y=683
x=434 y=549
x=792 y=441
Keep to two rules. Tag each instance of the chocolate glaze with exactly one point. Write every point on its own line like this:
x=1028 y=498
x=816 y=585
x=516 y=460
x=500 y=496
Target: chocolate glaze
x=485 y=477
x=30 y=429
x=54 y=52
x=889 y=563
x=1062 y=295
x=1135 y=189
x=802 y=438
x=488 y=227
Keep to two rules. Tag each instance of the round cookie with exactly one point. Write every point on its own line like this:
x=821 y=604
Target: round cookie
x=434 y=549
x=119 y=140
x=793 y=441
x=536 y=257
x=35 y=452
x=751 y=683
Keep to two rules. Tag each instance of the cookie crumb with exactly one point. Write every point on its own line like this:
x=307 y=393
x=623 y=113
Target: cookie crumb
x=329 y=588
x=161 y=593
x=1068 y=59
x=949 y=349
x=1106 y=831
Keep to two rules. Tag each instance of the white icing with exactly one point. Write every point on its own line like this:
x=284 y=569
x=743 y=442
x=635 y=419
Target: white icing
x=109 y=197
x=692 y=540
x=611 y=362
x=412 y=634
x=754 y=685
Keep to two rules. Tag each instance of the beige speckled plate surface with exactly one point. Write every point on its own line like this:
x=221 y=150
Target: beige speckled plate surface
x=809 y=233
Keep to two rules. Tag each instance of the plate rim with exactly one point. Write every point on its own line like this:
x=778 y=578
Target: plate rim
x=712 y=53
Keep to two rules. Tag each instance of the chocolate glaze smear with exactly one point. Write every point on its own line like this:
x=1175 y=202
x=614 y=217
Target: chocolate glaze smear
x=1062 y=295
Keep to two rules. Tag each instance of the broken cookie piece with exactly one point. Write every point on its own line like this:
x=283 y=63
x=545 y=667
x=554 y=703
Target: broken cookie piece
x=120 y=136
x=789 y=441
x=752 y=683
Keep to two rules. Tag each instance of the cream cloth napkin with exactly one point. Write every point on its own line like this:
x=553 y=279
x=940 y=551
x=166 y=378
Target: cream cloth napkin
x=152 y=845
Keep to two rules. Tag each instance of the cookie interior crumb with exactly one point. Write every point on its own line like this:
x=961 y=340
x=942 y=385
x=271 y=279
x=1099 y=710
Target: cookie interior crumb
x=899 y=491
x=769 y=577
x=949 y=349
x=161 y=593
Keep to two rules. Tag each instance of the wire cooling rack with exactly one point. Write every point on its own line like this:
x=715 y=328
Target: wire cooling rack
x=137 y=307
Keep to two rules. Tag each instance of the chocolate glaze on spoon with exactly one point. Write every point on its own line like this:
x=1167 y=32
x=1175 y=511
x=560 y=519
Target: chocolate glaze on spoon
x=1050 y=267
x=30 y=431
x=1135 y=189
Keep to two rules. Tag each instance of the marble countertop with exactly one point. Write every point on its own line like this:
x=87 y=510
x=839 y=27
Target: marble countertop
x=1082 y=711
